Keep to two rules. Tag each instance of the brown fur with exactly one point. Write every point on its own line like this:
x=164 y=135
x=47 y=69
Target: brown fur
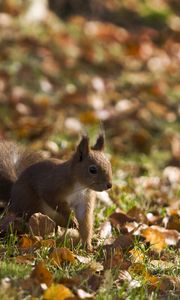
x=14 y=159
x=56 y=188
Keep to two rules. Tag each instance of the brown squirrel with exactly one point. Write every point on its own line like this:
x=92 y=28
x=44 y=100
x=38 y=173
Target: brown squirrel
x=54 y=188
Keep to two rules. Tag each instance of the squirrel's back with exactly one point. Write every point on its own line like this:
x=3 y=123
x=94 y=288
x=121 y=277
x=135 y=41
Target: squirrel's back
x=14 y=159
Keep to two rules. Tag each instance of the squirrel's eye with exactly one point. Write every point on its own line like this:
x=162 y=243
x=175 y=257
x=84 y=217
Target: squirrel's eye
x=93 y=169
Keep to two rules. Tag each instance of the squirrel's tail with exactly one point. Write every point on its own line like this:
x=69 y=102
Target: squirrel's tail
x=14 y=159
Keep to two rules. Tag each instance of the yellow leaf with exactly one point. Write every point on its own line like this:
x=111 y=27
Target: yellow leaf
x=153 y=280
x=41 y=274
x=138 y=269
x=137 y=255
x=155 y=237
x=141 y=270
x=57 y=292
x=59 y=255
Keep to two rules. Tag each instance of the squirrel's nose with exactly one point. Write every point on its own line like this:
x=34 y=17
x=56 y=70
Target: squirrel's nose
x=109 y=185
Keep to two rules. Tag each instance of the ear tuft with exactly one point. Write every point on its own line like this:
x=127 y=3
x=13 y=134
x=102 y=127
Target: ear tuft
x=99 y=145
x=82 y=150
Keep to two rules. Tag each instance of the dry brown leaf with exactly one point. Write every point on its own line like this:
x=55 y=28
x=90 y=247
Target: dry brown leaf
x=106 y=32
x=173 y=222
x=71 y=282
x=41 y=274
x=24 y=259
x=57 y=292
x=118 y=219
x=41 y=225
x=169 y=283
x=94 y=282
x=137 y=214
x=48 y=243
x=124 y=241
x=160 y=237
x=60 y=255
x=28 y=242
x=153 y=219
x=116 y=259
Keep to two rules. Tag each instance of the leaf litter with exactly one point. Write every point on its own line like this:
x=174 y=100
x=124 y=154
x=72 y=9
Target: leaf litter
x=57 y=77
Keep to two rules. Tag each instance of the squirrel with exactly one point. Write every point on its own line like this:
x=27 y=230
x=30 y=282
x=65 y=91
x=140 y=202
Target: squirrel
x=53 y=187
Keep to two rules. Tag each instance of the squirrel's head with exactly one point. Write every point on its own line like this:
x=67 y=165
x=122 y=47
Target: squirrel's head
x=90 y=165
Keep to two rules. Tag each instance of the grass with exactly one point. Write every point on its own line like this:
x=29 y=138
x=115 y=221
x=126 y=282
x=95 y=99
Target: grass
x=123 y=72
x=111 y=287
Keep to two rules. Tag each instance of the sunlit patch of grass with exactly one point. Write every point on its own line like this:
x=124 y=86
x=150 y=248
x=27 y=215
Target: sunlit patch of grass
x=13 y=270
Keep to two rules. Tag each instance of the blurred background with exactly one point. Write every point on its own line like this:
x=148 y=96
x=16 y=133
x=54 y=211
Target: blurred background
x=71 y=66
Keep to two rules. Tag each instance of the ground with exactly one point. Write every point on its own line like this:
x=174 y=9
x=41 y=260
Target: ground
x=59 y=78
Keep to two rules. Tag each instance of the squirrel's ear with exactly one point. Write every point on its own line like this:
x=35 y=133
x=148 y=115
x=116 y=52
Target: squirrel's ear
x=99 y=145
x=83 y=148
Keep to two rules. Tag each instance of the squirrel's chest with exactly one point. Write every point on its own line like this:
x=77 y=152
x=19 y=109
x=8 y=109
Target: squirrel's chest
x=77 y=196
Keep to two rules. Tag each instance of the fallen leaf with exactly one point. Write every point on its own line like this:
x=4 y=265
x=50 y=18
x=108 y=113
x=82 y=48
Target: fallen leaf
x=116 y=259
x=94 y=281
x=41 y=225
x=41 y=274
x=124 y=241
x=118 y=219
x=48 y=243
x=71 y=282
x=162 y=264
x=137 y=214
x=84 y=295
x=138 y=269
x=83 y=259
x=169 y=283
x=173 y=222
x=105 y=230
x=160 y=237
x=155 y=237
x=126 y=276
x=60 y=255
x=28 y=242
x=137 y=255
x=57 y=292
x=152 y=279
x=153 y=219
x=96 y=266
x=141 y=270
x=24 y=259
